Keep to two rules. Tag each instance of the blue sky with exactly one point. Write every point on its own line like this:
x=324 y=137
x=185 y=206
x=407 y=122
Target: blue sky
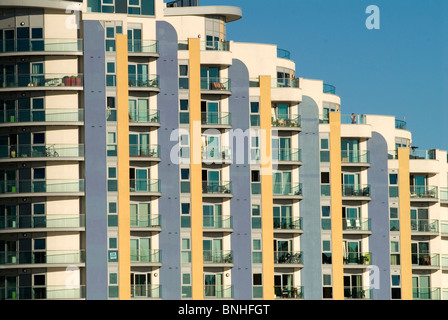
x=400 y=69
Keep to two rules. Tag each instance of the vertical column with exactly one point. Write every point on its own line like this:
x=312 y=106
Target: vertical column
x=196 y=170
x=405 y=223
x=124 y=221
x=336 y=205
x=267 y=220
x=95 y=160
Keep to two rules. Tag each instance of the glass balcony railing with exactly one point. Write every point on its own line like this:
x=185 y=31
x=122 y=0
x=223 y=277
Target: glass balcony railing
x=284 y=83
x=287 y=189
x=143 y=115
x=288 y=224
x=328 y=88
x=41 y=185
x=218 y=256
x=43 y=292
x=443 y=194
x=357 y=293
x=145 y=185
x=218 y=291
x=424 y=192
x=444 y=227
x=41 y=151
x=143 y=46
x=426 y=293
x=285 y=121
x=215 y=45
x=289 y=292
x=357 y=258
x=356 y=225
x=143 y=80
x=425 y=259
x=284 y=54
x=215 y=84
x=146 y=255
x=355 y=156
x=213 y=187
x=47 y=115
x=288 y=257
x=216 y=153
x=220 y=118
x=444 y=260
x=423 y=154
x=217 y=222
x=146 y=291
x=287 y=154
x=144 y=220
x=41 y=80
x=400 y=124
x=356 y=190
x=353 y=119
x=42 y=221
x=42 y=257
x=35 y=45
x=424 y=225
x=144 y=151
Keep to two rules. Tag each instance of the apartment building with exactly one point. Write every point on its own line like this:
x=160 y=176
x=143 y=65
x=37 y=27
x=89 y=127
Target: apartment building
x=146 y=156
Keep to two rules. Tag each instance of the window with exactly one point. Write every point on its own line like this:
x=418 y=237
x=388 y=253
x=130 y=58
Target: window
x=184 y=115
x=327 y=286
x=110 y=74
x=186 y=285
x=256 y=251
x=393 y=185
x=324 y=152
x=112 y=218
x=395 y=290
x=134 y=7
x=112 y=182
x=326 y=220
x=257 y=282
x=107 y=6
x=111 y=144
x=183 y=77
x=256 y=216
x=184 y=146
x=326 y=252
x=255 y=114
x=325 y=187
x=185 y=220
x=185 y=180
x=110 y=39
x=186 y=250
x=394 y=253
x=39 y=283
x=394 y=219
x=255 y=148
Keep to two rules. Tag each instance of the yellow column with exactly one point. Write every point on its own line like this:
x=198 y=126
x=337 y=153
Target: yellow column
x=405 y=223
x=336 y=206
x=124 y=233
x=267 y=220
x=196 y=170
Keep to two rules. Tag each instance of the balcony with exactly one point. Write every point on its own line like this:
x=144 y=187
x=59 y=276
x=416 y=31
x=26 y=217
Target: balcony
x=355 y=158
x=50 y=81
x=288 y=156
x=328 y=88
x=216 y=155
x=42 y=117
x=141 y=291
x=285 y=83
x=444 y=262
x=424 y=193
x=215 y=46
x=49 y=152
x=220 y=223
x=145 y=187
x=353 y=119
x=32 y=46
x=144 y=152
x=425 y=261
x=49 y=257
x=41 y=187
x=426 y=293
x=215 y=85
x=283 y=54
x=425 y=227
x=147 y=257
x=443 y=195
x=444 y=228
x=218 y=292
x=356 y=226
x=288 y=225
x=400 y=124
x=286 y=122
x=57 y=222
x=144 y=221
x=142 y=117
x=357 y=259
x=288 y=292
x=143 y=82
x=356 y=191
x=217 y=188
x=216 y=119
x=287 y=190
x=289 y=259
x=44 y=292
x=218 y=258
x=357 y=293
x=143 y=47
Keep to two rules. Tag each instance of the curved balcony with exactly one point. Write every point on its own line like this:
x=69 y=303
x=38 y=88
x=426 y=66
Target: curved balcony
x=424 y=193
x=328 y=88
x=50 y=258
x=288 y=259
x=145 y=187
x=425 y=261
x=145 y=222
x=215 y=46
x=400 y=124
x=288 y=225
x=219 y=223
x=216 y=155
x=355 y=192
x=284 y=54
x=425 y=227
x=218 y=258
x=140 y=152
x=289 y=122
x=46 y=223
x=41 y=187
x=56 y=292
x=141 y=291
x=287 y=156
x=46 y=46
x=356 y=226
x=44 y=117
x=46 y=81
x=220 y=86
x=216 y=120
x=52 y=152
x=287 y=191
x=353 y=119
x=216 y=53
x=357 y=259
x=217 y=189
x=355 y=158
x=145 y=48
x=146 y=257
x=288 y=292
